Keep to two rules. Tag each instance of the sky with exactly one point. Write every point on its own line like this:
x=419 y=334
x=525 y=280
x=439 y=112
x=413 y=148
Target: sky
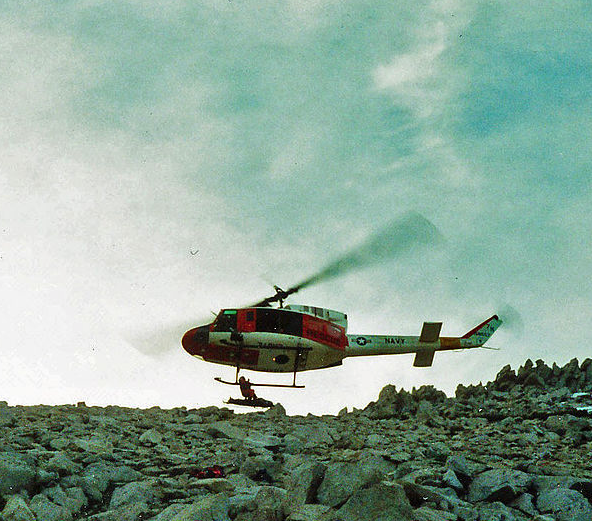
x=161 y=161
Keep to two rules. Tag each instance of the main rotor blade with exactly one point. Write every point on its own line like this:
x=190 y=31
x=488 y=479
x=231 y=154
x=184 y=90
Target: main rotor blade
x=412 y=229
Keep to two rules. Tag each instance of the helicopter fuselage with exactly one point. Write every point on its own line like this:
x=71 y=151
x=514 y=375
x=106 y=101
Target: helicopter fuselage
x=269 y=339
x=302 y=338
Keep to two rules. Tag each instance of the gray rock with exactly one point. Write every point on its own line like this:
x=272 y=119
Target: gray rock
x=450 y=480
x=375 y=440
x=270 y=504
x=498 y=512
x=429 y=514
x=314 y=436
x=16 y=509
x=214 y=485
x=59 y=444
x=505 y=379
x=438 y=451
x=498 y=485
x=525 y=503
x=151 y=437
x=461 y=467
x=263 y=467
x=96 y=478
x=342 y=479
x=135 y=492
x=277 y=412
x=427 y=413
x=169 y=512
x=16 y=473
x=49 y=511
x=243 y=501
x=210 y=508
x=133 y=512
x=95 y=445
x=241 y=482
x=309 y=513
x=73 y=499
x=544 y=483
x=82 y=459
x=6 y=418
x=292 y=444
x=258 y=439
x=62 y=464
x=391 y=404
x=419 y=494
x=304 y=482
x=379 y=502
x=564 y=504
x=224 y=429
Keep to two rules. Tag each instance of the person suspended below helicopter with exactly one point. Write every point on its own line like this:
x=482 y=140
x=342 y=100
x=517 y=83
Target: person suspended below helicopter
x=249 y=398
x=246 y=389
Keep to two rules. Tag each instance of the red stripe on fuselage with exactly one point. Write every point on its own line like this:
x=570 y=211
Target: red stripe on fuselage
x=324 y=332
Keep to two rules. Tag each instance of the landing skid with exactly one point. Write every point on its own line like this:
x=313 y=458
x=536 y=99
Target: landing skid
x=258 y=402
x=293 y=386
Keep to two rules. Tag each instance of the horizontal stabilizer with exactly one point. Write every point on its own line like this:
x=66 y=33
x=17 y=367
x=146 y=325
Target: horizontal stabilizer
x=430 y=332
x=424 y=358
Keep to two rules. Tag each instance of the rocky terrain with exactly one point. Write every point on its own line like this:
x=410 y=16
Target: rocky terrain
x=518 y=448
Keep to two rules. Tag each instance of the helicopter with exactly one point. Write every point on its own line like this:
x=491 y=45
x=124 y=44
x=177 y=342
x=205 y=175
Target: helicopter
x=295 y=338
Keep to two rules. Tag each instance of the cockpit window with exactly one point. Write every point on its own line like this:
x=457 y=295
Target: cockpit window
x=226 y=320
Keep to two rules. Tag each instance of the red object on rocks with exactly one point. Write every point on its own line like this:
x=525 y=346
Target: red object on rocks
x=215 y=471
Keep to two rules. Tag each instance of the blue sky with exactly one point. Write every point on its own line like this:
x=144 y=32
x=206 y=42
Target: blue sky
x=272 y=139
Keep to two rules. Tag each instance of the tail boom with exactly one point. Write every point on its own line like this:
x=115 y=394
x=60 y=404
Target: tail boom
x=424 y=345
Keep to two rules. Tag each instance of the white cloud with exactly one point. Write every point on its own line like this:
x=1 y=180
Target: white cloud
x=420 y=78
x=407 y=71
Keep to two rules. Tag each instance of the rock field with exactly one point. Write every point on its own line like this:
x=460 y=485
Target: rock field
x=518 y=448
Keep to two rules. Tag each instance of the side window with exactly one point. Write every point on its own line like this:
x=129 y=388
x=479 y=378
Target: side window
x=279 y=321
x=226 y=321
x=267 y=320
x=291 y=323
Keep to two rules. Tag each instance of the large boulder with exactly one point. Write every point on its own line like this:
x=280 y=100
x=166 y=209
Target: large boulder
x=505 y=379
x=342 y=479
x=304 y=482
x=391 y=404
x=98 y=476
x=262 y=468
x=151 y=437
x=564 y=504
x=16 y=509
x=130 y=493
x=225 y=429
x=270 y=503
x=17 y=472
x=210 y=508
x=310 y=513
x=72 y=498
x=48 y=510
x=62 y=464
x=379 y=502
x=499 y=485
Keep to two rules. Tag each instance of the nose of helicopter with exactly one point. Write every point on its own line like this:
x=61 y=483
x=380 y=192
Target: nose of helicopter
x=195 y=340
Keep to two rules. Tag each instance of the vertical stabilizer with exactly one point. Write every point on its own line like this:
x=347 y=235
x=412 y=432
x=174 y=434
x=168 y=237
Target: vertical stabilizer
x=481 y=334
